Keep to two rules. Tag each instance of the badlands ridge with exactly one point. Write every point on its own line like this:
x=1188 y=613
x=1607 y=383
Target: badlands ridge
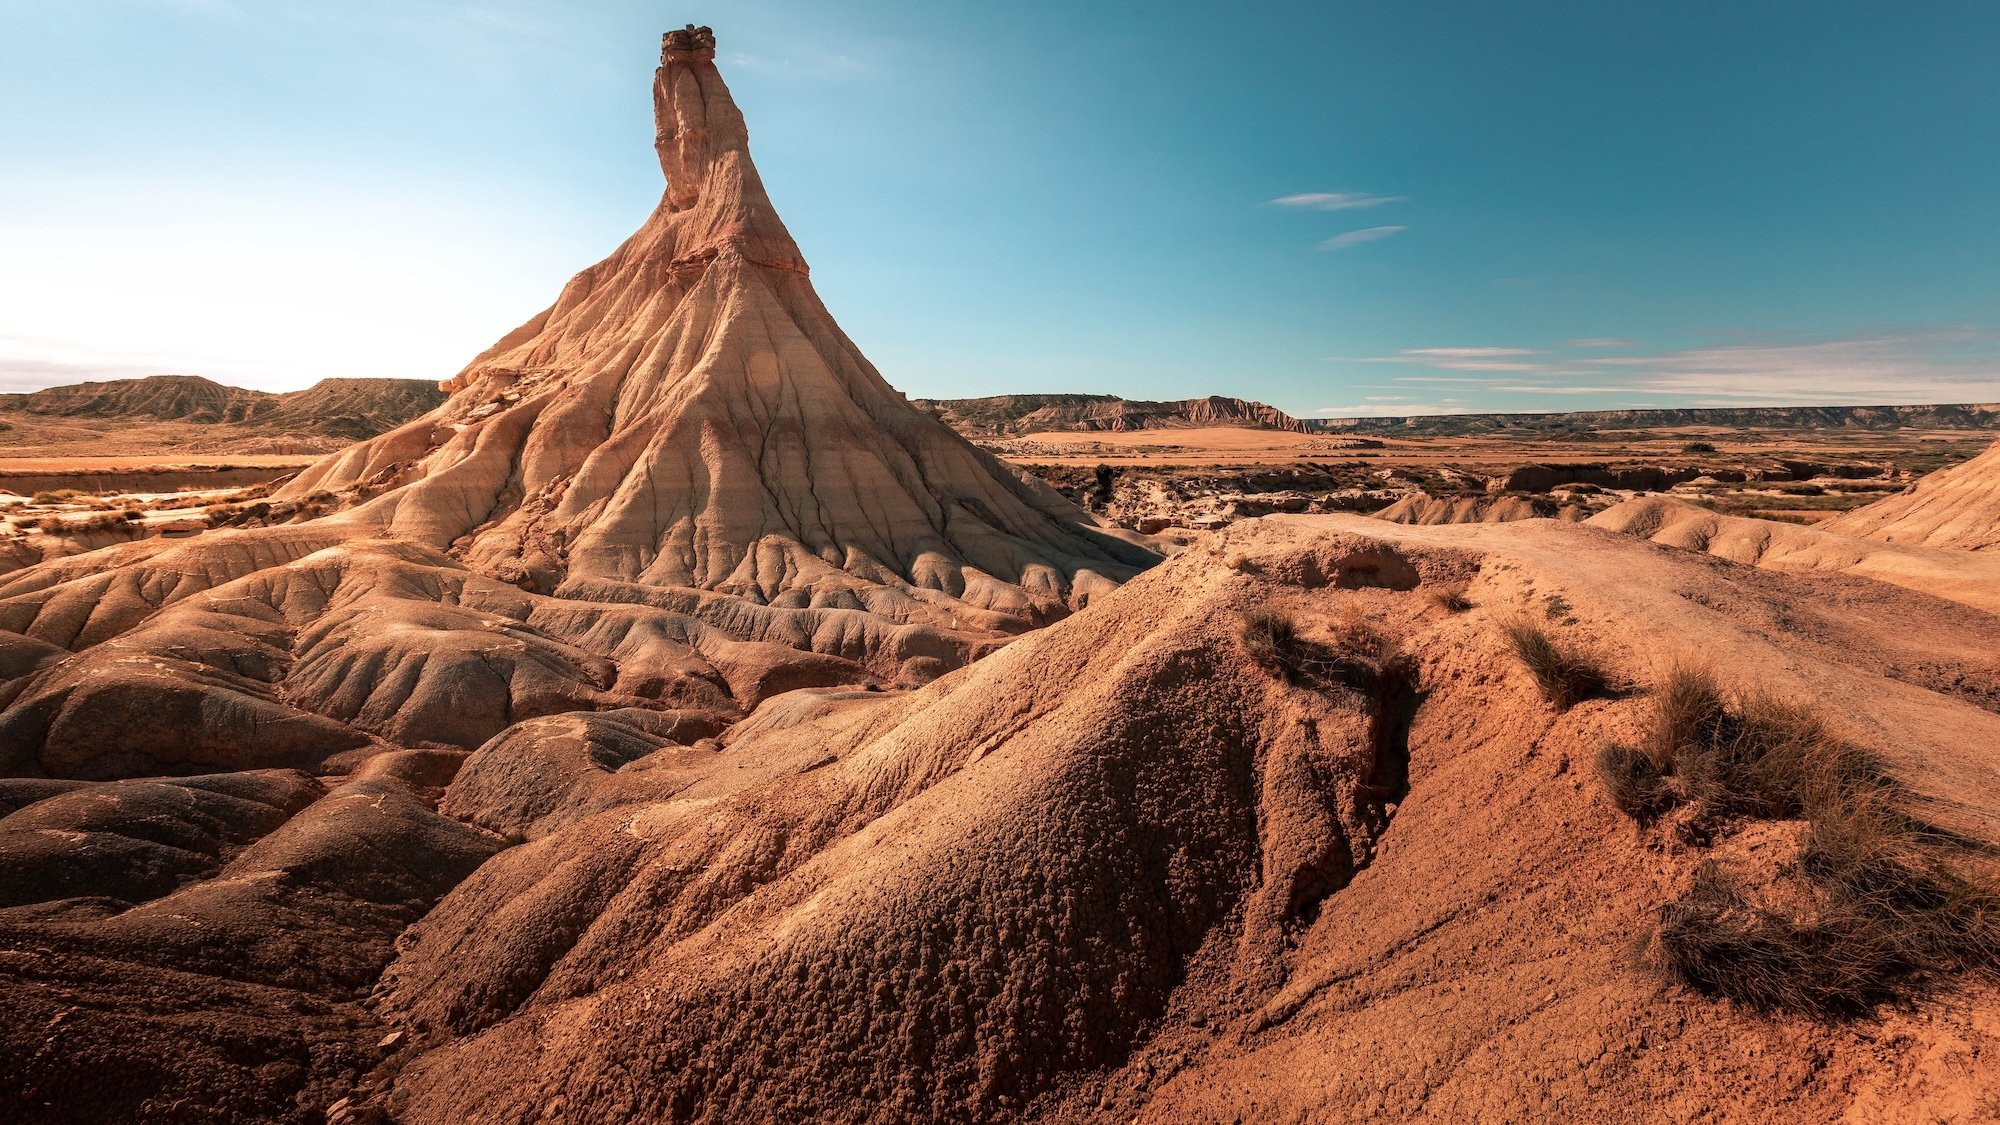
x=678 y=724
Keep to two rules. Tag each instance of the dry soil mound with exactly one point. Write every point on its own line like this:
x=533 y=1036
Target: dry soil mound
x=1957 y=507
x=1118 y=870
x=1418 y=508
x=1961 y=576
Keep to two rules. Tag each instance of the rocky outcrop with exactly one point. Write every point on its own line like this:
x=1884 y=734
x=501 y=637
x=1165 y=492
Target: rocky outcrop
x=1003 y=415
x=1971 y=578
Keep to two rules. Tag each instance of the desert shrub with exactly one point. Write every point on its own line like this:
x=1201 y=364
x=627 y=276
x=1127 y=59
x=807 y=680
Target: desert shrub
x=1271 y=640
x=1757 y=756
x=1697 y=447
x=108 y=521
x=1360 y=657
x=1719 y=941
x=50 y=525
x=1633 y=782
x=1879 y=902
x=55 y=496
x=1565 y=675
x=237 y=515
x=1449 y=596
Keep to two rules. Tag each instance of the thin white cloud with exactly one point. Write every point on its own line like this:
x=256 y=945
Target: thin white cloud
x=1335 y=200
x=803 y=61
x=1357 y=237
x=1467 y=359
x=1600 y=342
x=1921 y=365
x=1401 y=408
x=1552 y=389
x=1925 y=364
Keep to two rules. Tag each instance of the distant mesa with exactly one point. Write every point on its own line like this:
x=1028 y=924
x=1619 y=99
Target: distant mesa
x=336 y=408
x=1006 y=415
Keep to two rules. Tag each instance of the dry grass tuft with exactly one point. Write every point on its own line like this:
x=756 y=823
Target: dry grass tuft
x=1361 y=657
x=1449 y=596
x=1565 y=675
x=1880 y=902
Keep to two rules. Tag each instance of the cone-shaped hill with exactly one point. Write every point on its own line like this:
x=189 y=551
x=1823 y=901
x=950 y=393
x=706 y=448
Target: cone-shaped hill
x=681 y=488
x=688 y=414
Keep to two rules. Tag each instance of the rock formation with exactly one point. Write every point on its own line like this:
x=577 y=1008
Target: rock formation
x=680 y=486
x=1971 y=578
x=688 y=415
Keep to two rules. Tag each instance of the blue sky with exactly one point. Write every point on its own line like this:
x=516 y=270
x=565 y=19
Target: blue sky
x=1335 y=208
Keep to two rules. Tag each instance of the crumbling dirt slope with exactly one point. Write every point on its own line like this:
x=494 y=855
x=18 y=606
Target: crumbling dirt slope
x=1956 y=507
x=1964 y=576
x=1119 y=870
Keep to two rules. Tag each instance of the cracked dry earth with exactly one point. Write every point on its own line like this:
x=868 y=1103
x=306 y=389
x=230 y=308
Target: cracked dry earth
x=677 y=725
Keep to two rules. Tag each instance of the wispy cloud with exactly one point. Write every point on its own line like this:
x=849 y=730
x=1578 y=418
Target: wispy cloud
x=1389 y=406
x=1357 y=237
x=1600 y=342
x=1335 y=200
x=1922 y=364
x=804 y=62
x=1467 y=359
x=1467 y=353
x=29 y=363
x=1912 y=365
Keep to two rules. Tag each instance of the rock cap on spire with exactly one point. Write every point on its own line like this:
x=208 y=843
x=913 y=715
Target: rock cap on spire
x=698 y=42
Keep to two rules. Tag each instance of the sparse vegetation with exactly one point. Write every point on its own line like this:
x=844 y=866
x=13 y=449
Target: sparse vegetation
x=1448 y=596
x=1566 y=675
x=1360 y=657
x=55 y=496
x=120 y=521
x=1698 y=447
x=1877 y=903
